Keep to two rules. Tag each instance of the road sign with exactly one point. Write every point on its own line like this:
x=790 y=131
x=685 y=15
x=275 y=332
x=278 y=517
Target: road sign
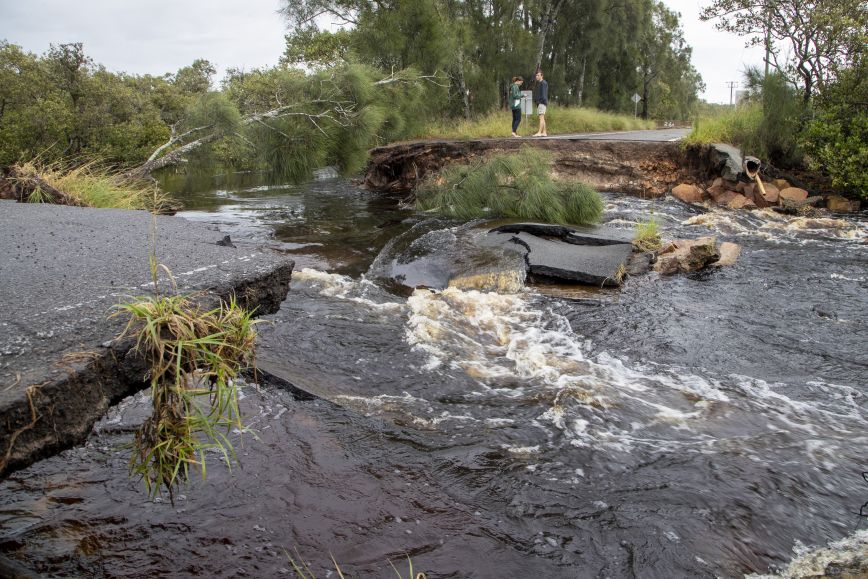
x=527 y=102
x=636 y=98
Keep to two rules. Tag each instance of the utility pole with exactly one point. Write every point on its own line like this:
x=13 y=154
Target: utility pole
x=731 y=84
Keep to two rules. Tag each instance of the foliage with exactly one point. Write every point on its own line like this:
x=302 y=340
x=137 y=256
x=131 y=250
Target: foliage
x=837 y=138
x=194 y=357
x=565 y=119
x=88 y=184
x=821 y=37
x=647 y=237
x=735 y=125
x=594 y=52
x=509 y=185
x=767 y=125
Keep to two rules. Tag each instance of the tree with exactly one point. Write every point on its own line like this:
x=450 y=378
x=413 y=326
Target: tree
x=822 y=37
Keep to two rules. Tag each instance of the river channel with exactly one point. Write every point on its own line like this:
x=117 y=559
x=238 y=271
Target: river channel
x=709 y=425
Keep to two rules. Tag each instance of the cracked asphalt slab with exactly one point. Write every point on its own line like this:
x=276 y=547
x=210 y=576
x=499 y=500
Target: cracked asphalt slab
x=63 y=269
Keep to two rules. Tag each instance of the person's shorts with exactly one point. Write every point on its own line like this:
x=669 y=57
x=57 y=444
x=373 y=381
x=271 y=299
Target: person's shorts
x=541 y=110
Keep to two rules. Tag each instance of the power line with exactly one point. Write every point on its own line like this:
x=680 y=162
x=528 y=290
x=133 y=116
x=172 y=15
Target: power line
x=731 y=84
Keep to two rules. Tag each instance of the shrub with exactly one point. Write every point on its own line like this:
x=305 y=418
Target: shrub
x=837 y=138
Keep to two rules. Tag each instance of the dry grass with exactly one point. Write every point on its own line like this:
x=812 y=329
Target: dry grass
x=88 y=184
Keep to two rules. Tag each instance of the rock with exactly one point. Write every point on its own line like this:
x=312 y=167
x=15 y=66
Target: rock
x=781 y=184
x=824 y=312
x=716 y=191
x=640 y=263
x=838 y=204
x=741 y=202
x=748 y=190
x=813 y=201
x=729 y=253
x=689 y=193
x=226 y=242
x=727 y=160
x=727 y=196
x=687 y=255
x=793 y=194
x=772 y=193
x=717 y=182
x=760 y=200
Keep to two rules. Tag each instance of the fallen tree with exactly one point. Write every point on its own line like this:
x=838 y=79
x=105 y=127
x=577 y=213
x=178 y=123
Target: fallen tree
x=334 y=116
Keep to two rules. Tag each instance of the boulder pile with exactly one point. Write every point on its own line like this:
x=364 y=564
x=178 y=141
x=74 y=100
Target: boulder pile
x=752 y=195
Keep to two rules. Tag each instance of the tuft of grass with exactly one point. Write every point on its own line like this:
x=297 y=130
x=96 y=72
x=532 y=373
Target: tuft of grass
x=647 y=236
x=559 y=120
x=193 y=356
x=509 y=185
x=89 y=184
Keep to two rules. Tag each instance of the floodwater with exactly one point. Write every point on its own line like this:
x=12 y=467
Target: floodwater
x=709 y=425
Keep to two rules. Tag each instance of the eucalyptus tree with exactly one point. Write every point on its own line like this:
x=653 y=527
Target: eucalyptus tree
x=821 y=37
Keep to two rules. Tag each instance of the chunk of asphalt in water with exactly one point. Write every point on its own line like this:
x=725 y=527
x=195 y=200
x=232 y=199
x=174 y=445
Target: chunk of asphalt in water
x=226 y=242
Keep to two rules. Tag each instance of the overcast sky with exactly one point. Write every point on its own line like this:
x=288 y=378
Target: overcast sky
x=159 y=36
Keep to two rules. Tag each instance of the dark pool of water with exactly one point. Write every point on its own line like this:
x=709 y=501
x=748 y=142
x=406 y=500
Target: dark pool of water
x=692 y=426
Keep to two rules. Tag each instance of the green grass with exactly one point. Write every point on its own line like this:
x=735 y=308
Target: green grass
x=647 y=237
x=517 y=185
x=193 y=357
x=559 y=120
x=88 y=184
x=737 y=126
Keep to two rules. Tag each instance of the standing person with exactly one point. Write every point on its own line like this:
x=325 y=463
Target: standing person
x=515 y=103
x=543 y=101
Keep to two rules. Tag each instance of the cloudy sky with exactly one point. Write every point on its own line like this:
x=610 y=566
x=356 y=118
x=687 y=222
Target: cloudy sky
x=159 y=36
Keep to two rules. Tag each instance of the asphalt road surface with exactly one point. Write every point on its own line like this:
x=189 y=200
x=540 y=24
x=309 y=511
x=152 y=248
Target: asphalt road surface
x=655 y=135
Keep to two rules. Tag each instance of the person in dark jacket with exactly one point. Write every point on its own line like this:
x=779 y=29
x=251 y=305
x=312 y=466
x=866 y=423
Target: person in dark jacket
x=543 y=101
x=515 y=103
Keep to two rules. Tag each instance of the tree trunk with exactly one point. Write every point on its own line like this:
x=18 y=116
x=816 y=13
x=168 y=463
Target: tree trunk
x=580 y=92
x=545 y=26
x=462 y=84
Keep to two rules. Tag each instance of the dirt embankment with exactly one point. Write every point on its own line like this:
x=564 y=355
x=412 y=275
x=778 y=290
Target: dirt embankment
x=647 y=169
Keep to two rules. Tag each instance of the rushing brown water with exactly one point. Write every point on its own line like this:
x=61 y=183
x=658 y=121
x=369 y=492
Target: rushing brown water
x=695 y=426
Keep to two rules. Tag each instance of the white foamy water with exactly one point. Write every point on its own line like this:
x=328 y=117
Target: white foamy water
x=850 y=552
x=345 y=288
x=768 y=224
x=514 y=349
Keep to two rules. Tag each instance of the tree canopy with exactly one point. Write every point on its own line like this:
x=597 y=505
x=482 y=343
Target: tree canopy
x=810 y=41
x=593 y=52
x=289 y=121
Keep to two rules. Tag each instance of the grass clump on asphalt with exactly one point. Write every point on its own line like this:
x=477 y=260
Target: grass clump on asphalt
x=517 y=185
x=193 y=356
x=647 y=237
x=86 y=184
x=560 y=120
